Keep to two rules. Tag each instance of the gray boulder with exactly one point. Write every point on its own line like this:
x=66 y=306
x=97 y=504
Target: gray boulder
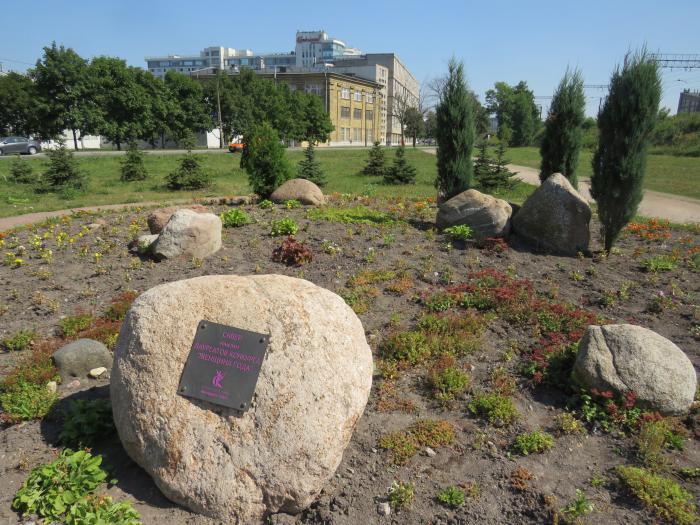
x=484 y=214
x=189 y=233
x=302 y=190
x=312 y=389
x=76 y=359
x=157 y=219
x=555 y=218
x=628 y=358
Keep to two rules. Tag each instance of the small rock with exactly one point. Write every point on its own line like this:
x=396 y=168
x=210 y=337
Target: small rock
x=384 y=509
x=94 y=226
x=97 y=372
x=52 y=386
x=73 y=384
x=430 y=452
x=76 y=359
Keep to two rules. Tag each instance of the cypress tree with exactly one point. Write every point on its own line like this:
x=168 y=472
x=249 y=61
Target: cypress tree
x=625 y=124
x=263 y=159
x=132 y=165
x=401 y=172
x=310 y=169
x=376 y=163
x=455 y=135
x=563 y=129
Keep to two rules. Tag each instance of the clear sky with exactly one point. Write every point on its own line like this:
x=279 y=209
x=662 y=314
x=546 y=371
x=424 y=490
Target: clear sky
x=498 y=40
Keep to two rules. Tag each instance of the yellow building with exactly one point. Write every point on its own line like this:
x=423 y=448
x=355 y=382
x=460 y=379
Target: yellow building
x=357 y=107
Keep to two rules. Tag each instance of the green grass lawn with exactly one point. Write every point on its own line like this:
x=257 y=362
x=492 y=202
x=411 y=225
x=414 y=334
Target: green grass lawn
x=665 y=173
x=342 y=167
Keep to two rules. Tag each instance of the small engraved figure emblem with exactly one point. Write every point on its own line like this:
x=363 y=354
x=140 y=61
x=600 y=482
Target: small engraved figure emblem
x=216 y=380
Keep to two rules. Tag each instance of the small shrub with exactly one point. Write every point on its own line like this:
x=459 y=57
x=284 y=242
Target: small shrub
x=284 y=226
x=87 y=421
x=234 y=218
x=292 y=252
x=189 y=176
x=654 y=438
x=402 y=446
x=537 y=441
x=666 y=498
x=132 y=167
x=19 y=341
x=568 y=424
x=310 y=169
x=101 y=510
x=400 y=172
x=496 y=408
x=461 y=232
x=21 y=171
x=576 y=509
x=401 y=495
x=433 y=433
x=70 y=326
x=292 y=204
x=376 y=163
x=660 y=263
x=451 y=497
x=406 y=347
x=24 y=401
x=50 y=490
x=63 y=173
x=266 y=204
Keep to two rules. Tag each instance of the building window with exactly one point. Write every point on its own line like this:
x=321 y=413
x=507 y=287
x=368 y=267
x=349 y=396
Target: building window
x=369 y=98
x=357 y=114
x=357 y=134
x=369 y=135
x=344 y=112
x=345 y=93
x=358 y=96
x=369 y=115
x=314 y=89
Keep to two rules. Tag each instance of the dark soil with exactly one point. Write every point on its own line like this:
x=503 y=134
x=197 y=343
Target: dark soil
x=37 y=294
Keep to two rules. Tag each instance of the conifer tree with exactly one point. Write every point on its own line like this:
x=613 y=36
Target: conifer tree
x=189 y=175
x=376 y=163
x=455 y=135
x=494 y=174
x=310 y=169
x=63 y=173
x=563 y=132
x=263 y=159
x=132 y=165
x=482 y=163
x=400 y=172
x=625 y=124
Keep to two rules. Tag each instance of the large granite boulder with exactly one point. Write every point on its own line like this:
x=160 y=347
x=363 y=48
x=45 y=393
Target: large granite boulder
x=484 y=214
x=188 y=233
x=555 y=218
x=302 y=190
x=628 y=358
x=157 y=219
x=76 y=359
x=276 y=457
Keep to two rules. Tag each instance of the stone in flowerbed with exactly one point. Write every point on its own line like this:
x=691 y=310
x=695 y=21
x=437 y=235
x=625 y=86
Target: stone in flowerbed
x=157 y=219
x=484 y=214
x=312 y=389
x=302 y=190
x=77 y=359
x=627 y=358
x=190 y=234
x=383 y=269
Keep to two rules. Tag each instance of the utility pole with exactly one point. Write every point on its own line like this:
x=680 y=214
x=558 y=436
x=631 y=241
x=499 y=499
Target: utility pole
x=218 y=112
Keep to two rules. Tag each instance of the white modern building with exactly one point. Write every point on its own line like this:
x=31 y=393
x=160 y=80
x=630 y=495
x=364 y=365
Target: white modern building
x=215 y=57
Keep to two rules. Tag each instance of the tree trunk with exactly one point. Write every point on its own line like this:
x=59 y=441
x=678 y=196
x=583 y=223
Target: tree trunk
x=414 y=141
x=75 y=140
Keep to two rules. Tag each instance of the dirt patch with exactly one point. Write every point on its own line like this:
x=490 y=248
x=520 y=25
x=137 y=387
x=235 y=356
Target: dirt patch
x=389 y=272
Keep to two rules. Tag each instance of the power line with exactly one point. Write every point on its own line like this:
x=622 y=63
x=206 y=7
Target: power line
x=677 y=61
x=16 y=61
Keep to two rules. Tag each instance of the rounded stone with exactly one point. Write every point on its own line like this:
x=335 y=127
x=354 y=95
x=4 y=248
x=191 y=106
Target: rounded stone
x=302 y=190
x=484 y=214
x=628 y=358
x=313 y=386
x=77 y=358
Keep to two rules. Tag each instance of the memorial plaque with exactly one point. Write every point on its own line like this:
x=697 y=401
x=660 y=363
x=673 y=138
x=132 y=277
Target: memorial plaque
x=223 y=365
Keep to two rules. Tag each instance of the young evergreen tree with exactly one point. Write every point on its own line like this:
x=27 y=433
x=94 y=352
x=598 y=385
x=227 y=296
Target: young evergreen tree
x=376 y=163
x=21 y=171
x=63 y=173
x=492 y=173
x=625 y=124
x=132 y=165
x=189 y=175
x=482 y=163
x=455 y=135
x=400 y=172
x=263 y=159
x=310 y=169
x=563 y=129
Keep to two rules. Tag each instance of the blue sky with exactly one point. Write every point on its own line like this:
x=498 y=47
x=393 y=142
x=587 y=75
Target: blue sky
x=498 y=40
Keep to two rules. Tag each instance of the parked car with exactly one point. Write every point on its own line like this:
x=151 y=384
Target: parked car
x=19 y=145
x=235 y=147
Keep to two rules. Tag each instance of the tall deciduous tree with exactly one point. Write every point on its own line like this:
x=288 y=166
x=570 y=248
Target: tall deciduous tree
x=187 y=110
x=414 y=124
x=18 y=105
x=65 y=92
x=455 y=135
x=625 y=124
x=516 y=111
x=563 y=132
